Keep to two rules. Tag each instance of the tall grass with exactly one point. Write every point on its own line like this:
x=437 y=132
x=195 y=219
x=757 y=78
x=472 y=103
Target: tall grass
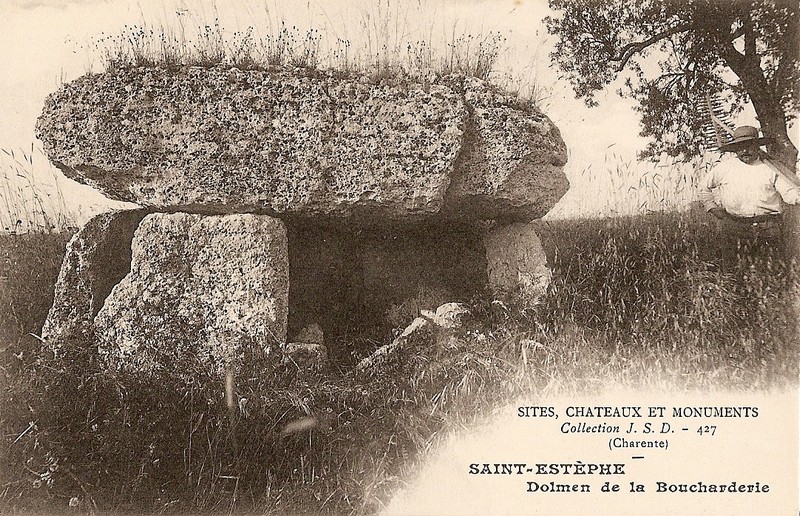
x=385 y=54
x=35 y=224
x=663 y=300
x=27 y=202
x=672 y=291
x=617 y=186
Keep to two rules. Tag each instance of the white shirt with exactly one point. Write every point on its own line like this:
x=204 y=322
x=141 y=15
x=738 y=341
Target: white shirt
x=747 y=190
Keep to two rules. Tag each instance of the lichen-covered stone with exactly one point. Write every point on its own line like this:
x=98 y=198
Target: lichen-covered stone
x=98 y=256
x=448 y=315
x=516 y=264
x=512 y=158
x=279 y=141
x=418 y=332
x=311 y=334
x=201 y=291
x=305 y=142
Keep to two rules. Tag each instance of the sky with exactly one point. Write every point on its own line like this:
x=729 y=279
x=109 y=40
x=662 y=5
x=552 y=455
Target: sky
x=46 y=43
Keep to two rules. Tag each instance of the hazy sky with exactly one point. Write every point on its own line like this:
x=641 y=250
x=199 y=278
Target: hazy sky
x=44 y=43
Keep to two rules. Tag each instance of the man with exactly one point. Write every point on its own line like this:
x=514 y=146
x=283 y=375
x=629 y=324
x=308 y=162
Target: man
x=751 y=190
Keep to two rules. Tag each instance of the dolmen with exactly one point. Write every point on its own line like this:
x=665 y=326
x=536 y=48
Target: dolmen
x=287 y=207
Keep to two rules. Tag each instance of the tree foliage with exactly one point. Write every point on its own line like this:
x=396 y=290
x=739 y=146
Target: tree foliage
x=740 y=50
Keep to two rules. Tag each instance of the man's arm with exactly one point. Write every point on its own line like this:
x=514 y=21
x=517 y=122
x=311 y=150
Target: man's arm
x=707 y=186
x=790 y=192
x=786 y=182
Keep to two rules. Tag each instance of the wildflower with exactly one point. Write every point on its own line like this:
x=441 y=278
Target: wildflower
x=37 y=483
x=74 y=501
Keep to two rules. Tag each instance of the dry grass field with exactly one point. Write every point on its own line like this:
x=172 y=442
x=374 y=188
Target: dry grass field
x=658 y=301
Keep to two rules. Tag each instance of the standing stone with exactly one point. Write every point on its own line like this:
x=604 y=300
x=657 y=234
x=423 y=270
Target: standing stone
x=201 y=291
x=516 y=264
x=97 y=258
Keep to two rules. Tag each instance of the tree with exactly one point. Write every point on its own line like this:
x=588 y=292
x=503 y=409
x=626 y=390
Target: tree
x=740 y=50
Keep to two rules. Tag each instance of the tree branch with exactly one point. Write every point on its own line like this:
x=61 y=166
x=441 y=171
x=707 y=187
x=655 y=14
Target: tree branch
x=626 y=52
x=789 y=47
x=749 y=37
x=768 y=108
x=777 y=79
x=734 y=58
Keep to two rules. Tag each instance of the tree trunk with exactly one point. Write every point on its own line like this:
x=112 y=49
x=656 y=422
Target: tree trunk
x=791 y=232
x=773 y=125
x=787 y=156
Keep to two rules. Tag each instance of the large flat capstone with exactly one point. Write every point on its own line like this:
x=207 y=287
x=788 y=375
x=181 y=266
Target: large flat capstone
x=510 y=166
x=305 y=142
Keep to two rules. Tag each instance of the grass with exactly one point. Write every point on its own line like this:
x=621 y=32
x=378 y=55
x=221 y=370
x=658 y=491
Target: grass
x=27 y=205
x=381 y=57
x=663 y=300
x=34 y=228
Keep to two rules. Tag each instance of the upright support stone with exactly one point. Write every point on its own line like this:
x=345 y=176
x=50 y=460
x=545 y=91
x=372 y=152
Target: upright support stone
x=201 y=291
x=98 y=256
x=516 y=264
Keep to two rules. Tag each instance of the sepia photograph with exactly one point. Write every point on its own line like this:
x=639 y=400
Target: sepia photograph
x=399 y=257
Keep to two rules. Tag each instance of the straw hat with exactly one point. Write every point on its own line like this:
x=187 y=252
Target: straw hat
x=744 y=136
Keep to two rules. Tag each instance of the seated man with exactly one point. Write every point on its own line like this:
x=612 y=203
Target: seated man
x=750 y=190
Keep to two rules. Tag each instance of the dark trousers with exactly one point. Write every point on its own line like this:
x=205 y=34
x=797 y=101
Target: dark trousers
x=756 y=230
